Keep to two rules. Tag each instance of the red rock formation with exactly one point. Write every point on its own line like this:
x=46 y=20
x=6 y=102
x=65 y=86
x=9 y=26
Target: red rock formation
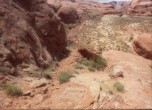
x=140 y=7
x=143 y=45
x=68 y=14
x=30 y=32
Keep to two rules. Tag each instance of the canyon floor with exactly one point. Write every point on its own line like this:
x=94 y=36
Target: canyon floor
x=125 y=82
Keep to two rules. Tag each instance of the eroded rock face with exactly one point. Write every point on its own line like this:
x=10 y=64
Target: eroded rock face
x=143 y=45
x=140 y=7
x=71 y=11
x=55 y=4
x=68 y=14
x=30 y=32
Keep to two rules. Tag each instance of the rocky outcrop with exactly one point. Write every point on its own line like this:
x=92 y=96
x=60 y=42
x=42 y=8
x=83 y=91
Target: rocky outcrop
x=140 y=7
x=143 y=45
x=71 y=11
x=55 y=4
x=30 y=32
x=68 y=14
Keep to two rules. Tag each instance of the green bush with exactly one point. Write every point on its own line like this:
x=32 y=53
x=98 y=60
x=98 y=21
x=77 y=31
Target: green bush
x=36 y=74
x=100 y=63
x=91 y=68
x=47 y=72
x=94 y=64
x=69 y=46
x=78 y=66
x=43 y=73
x=119 y=87
x=65 y=76
x=13 y=90
x=86 y=62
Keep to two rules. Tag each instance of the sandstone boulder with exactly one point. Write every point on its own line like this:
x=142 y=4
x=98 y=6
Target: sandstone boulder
x=55 y=4
x=143 y=45
x=81 y=92
x=68 y=14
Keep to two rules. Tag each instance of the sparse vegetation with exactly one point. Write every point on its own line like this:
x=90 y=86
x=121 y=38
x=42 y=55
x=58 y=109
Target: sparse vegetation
x=94 y=64
x=131 y=38
x=36 y=74
x=43 y=73
x=100 y=63
x=13 y=90
x=119 y=87
x=91 y=68
x=69 y=46
x=65 y=76
x=78 y=66
x=47 y=72
x=111 y=92
x=68 y=27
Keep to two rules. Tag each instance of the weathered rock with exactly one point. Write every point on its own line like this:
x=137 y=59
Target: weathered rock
x=68 y=14
x=28 y=93
x=117 y=71
x=36 y=83
x=81 y=92
x=30 y=32
x=137 y=72
x=88 y=54
x=55 y=4
x=143 y=45
x=140 y=7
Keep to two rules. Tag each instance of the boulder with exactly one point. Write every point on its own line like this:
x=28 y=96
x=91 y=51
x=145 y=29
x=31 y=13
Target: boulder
x=117 y=71
x=80 y=92
x=68 y=14
x=137 y=78
x=55 y=4
x=37 y=83
x=142 y=44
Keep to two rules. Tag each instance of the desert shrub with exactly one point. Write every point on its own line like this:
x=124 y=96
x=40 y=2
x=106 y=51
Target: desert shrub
x=43 y=73
x=47 y=72
x=111 y=92
x=69 y=46
x=13 y=90
x=94 y=64
x=78 y=66
x=131 y=38
x=119 y=87
x=91 y=68
x=68 y=27
x=85 y=61
x=100 y=63
x=66 y=75
x=36 y=74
